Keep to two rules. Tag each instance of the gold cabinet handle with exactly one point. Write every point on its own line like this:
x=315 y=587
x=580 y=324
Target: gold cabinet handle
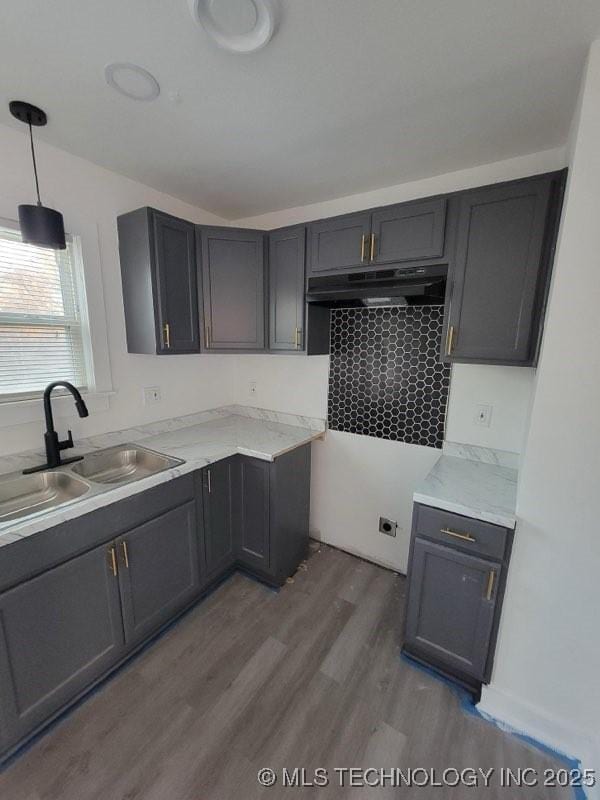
x=464 y=536
x=125 y=554
x=207 y=335
x=112 y=555
x=167 y=335
x=490 y=585
x=298 y=338
x=363 y=246
x=372 y=254
x=449 y=340
x=208 y=480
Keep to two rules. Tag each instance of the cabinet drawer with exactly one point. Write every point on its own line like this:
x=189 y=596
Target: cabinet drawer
x=470 y=535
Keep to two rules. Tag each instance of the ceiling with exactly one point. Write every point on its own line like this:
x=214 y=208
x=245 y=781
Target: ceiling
x=348 y=96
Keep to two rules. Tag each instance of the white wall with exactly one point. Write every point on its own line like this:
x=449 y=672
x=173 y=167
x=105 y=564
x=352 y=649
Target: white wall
x=548 y=660
x=355 y=478
x=90 y=199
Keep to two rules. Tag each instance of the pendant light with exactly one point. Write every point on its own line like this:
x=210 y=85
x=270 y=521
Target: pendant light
x=39 y=225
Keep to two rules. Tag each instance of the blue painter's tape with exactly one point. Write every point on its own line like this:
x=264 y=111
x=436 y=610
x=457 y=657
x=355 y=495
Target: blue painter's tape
x=468 y=706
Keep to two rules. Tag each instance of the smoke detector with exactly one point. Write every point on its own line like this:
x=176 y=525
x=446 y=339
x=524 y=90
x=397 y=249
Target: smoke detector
x=240 y=26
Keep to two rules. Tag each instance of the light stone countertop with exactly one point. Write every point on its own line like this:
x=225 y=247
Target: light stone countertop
x=472 y=488
x=199 y=439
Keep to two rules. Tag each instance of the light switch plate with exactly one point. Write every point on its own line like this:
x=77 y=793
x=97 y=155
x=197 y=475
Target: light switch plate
x=152 y=395
x=483 y=415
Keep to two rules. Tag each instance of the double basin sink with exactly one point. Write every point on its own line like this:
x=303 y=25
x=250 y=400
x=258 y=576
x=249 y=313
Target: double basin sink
x=23 y=495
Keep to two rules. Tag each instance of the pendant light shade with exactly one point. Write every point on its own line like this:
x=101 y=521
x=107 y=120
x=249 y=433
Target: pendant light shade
x=42 y=226
x=39 y=225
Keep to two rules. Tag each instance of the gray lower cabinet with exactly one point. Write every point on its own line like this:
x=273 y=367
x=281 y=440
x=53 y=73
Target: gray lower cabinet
x=457 y=575
x=218 y=487
x=286 y=289
x=233 y=288
x=159 y=280
x=253 y=526
x=158 y=570
x=58 y=633
x=450 y=610
x=504 y=247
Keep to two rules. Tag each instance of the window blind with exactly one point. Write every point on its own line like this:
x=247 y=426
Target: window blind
x=40 y=320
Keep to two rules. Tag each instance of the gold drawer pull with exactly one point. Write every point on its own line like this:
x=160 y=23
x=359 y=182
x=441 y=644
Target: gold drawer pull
x=113 y=560
x=125 y=554
x=464 y=536
x=449 y=340
x=490 y=585
x=167 y=335
x=372 y=246
x=363 y=244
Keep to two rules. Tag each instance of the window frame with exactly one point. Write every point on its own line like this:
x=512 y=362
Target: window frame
x=79 y=282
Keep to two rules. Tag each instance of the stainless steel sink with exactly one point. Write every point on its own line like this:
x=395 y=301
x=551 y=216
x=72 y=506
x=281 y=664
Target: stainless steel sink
x=22 y=495
x=123 y=464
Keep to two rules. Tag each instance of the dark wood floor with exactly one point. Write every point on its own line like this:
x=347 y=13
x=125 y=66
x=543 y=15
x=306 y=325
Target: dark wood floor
x=307 y=677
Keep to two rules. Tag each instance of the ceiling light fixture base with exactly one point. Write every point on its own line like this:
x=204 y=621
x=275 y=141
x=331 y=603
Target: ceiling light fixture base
x=27 y=113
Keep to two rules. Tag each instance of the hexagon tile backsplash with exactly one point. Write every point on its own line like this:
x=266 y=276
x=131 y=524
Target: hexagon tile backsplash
x=385 y=375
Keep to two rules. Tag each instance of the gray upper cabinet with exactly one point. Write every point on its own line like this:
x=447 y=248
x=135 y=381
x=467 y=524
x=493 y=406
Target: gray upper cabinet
x=159 y=279
x=158 y=570
x=218 y=487
x=341 y=243
x=253 y=526
x=504 y=245
x=408 y=232
x=58 y=633
x=451 y=607
x=286 y=289
x=233 y=289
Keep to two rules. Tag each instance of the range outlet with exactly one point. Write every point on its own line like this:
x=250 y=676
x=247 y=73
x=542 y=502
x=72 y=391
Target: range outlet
x=387 y=526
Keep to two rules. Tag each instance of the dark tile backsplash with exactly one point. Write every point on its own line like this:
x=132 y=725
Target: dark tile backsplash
x=385 y=376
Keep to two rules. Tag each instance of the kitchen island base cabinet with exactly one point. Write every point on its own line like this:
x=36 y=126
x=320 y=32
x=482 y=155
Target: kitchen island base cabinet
x=158 y=570
x=58 y=633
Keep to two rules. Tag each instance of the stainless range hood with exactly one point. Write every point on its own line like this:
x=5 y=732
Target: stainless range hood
x=416 y=286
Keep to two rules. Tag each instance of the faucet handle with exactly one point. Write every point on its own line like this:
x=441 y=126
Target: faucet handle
x=68 y=442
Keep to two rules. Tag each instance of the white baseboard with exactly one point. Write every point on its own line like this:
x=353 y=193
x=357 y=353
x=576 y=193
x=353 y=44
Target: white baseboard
x=516 y=715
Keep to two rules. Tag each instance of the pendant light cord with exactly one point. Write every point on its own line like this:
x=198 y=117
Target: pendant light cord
x=37 y=185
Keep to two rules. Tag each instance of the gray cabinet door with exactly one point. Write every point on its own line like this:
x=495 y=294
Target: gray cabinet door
x=286 y=288
x=178 y=329
x=253 y=527
x=409 y=232
x=499 y=251
x=451 y=606
x=218 y=517
x=341 y=243
x=233 y=289
x=158 y=570
x=58 y=633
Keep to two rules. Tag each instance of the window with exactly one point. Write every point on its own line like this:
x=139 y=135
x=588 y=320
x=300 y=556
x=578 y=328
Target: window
x=41 y=305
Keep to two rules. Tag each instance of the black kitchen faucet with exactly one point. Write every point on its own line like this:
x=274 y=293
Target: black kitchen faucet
x=52 y=442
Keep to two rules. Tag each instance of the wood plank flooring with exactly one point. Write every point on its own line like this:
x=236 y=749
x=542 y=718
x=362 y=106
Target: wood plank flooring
x=308 y=677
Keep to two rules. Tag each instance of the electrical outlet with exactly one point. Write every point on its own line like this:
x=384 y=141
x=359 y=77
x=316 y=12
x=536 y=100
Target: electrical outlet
x=252 y=388
x=152 y=395
x=483 y=415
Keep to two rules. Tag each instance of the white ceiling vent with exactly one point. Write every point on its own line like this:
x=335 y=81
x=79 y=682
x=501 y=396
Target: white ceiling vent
x=240 y=26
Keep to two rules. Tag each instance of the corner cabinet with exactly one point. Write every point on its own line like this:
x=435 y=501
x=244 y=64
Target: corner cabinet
x=233 y=289
x=457 y=574
x=505 y=242
x=159 y=279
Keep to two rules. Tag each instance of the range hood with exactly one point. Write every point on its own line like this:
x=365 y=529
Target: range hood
x=411 y=286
